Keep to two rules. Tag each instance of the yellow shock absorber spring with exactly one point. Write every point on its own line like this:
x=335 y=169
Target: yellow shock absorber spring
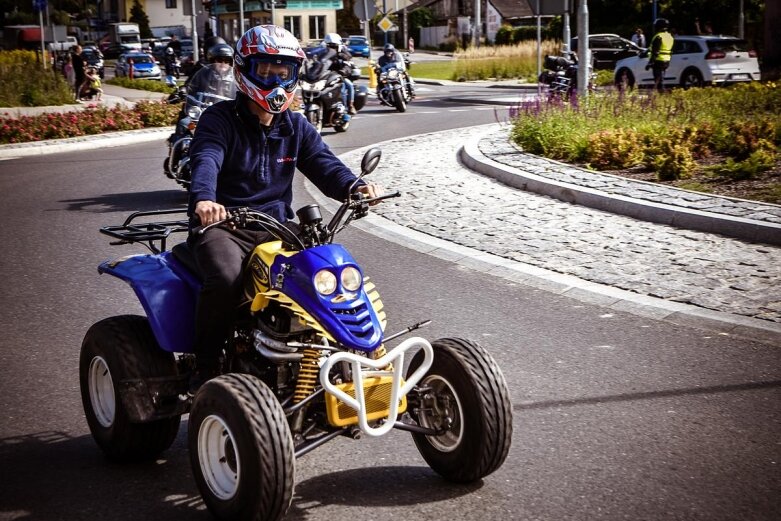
x=307 y=375
x=379 y=353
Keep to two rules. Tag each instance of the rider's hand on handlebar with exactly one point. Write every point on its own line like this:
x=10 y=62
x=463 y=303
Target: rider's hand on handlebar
x=371 y=190
x=210 y=212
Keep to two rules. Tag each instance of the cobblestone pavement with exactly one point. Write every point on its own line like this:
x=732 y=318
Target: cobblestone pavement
x=445 y=200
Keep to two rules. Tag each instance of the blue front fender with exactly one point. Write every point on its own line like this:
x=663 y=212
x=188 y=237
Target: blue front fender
x=167 y=292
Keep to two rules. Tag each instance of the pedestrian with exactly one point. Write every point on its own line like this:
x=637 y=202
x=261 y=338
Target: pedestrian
x=661 y=52
x=70 y=75
x=228 y=172
x=638 y=38
x=78 y=70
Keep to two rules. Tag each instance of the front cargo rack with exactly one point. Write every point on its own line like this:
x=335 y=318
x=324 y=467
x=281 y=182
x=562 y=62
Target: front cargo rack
x=152 y=234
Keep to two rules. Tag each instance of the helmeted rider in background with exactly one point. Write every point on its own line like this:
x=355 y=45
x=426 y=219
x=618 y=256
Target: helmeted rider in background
x=390 y=56
x=208 y=57
x=341 y=62
x=220 y=54
x=169 y=62
x=244 y=154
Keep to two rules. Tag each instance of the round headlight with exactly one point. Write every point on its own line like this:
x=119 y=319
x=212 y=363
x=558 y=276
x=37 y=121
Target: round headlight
x=393 y=74
x=325 y=282
x=194 y=112
x=351 y=279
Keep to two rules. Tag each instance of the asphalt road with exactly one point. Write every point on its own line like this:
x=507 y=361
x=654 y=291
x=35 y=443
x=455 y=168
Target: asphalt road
x=615 y=416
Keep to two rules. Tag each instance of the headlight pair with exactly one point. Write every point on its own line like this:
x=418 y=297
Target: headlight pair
x=325 y=280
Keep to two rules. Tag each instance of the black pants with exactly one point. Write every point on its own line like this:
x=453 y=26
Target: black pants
x=659 y=69
x=220 y=253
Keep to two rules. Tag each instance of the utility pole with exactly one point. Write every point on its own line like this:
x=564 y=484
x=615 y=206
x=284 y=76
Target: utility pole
x=741 y=21
x=583 y=50
x=194 y=23
x=241 y=18
x=478 y=23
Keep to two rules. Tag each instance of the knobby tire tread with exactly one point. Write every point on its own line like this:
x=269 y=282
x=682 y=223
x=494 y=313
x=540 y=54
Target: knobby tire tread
x=138 y=356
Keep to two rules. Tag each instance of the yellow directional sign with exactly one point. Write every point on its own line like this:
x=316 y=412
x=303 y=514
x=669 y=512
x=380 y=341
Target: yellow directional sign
x=385 y=24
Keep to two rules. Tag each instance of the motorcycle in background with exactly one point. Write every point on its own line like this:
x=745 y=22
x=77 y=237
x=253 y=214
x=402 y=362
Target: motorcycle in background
x=561 y=76
x=394 y=87
x=321 y=95
x=212 y=83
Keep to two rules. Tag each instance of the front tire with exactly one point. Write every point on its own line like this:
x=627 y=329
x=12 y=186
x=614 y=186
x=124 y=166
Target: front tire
x=624 y=80
x=315 y=118
x=116 y=349
x=398 y=101
x=468 y=393
x=692 y=77
x=241 y=450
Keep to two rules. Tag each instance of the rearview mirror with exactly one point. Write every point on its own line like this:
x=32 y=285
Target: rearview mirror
x=370 y=161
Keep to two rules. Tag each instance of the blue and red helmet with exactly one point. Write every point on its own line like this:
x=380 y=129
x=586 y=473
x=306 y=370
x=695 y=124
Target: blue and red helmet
x=267 y=61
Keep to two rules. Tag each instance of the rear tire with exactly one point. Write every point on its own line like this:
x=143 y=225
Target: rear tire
x=468 y=391
x=241 y=450
x=113 y=350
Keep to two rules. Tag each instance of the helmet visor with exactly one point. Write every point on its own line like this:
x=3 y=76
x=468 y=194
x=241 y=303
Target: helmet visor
x=268 y=72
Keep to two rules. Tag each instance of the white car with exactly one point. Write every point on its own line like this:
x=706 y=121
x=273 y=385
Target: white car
x=696 y=61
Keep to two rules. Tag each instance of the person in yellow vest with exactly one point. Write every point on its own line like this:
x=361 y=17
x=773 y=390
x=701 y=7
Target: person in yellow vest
x=661 y=52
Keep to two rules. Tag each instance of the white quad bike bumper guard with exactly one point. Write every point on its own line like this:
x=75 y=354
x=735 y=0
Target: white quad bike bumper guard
x=363 y=367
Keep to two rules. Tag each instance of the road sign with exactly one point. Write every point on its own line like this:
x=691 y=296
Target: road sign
x=361 y=6
x=39 y=5
x=385 y=24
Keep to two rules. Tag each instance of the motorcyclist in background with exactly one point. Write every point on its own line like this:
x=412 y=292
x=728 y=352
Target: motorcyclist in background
x=341 y=62
x=220 y=54
x=390 y=56
x=205 y=58
x=169 y=61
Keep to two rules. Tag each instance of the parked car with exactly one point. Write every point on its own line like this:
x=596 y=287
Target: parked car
x=92 y=56
x=607 y=49
x=696 y=61
x=114 y=50
x=358 y=46
x=144 y=66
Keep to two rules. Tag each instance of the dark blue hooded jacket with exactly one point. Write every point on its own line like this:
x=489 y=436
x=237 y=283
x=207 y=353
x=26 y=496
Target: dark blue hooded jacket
x=233 y=156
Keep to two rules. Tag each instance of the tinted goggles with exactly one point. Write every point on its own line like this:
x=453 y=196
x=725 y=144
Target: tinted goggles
x=268 y=72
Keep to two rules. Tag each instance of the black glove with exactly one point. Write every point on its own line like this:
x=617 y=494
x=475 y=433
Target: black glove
x=648 y=66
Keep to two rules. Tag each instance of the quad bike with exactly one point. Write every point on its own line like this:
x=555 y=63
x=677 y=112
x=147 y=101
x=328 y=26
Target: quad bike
x=309 y=361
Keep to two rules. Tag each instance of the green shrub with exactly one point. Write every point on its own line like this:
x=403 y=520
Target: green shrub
x=24 y=82
x=763 y=158
x=614 y=148
x=670 y=160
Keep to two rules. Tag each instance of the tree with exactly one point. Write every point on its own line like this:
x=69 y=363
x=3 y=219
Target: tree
x=139 y=16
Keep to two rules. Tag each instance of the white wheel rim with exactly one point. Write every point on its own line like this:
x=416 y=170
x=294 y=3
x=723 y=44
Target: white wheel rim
x=101 y=392
x=434 y=419
x=218 y=457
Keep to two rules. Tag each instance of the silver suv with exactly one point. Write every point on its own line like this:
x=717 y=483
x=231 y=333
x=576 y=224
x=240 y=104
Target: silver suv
x=696 y=61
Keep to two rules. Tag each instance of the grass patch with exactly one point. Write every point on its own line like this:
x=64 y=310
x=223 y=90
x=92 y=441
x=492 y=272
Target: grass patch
x=433 y=70
x=148 y=85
